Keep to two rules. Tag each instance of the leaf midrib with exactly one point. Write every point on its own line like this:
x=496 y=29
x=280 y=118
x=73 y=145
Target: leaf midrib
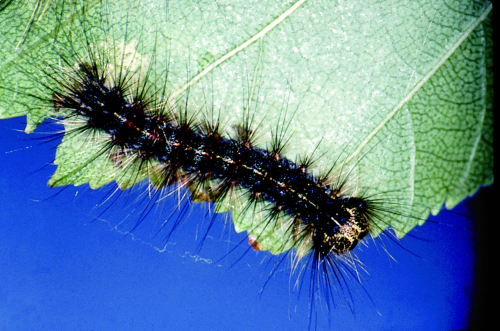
x=236 y=50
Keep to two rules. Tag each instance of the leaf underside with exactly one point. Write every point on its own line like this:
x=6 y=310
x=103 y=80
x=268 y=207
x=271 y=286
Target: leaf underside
x=397 y=94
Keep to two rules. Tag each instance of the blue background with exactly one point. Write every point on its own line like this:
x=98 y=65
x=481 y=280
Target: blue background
x=63 y=269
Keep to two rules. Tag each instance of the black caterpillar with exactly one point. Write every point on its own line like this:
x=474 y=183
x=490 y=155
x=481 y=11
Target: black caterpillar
x=211 y=165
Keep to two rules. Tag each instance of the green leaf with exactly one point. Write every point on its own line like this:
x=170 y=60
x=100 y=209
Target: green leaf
x=399 y=94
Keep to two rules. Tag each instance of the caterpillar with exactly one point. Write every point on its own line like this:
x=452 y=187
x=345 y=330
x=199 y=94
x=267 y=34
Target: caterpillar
x=120 y=157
